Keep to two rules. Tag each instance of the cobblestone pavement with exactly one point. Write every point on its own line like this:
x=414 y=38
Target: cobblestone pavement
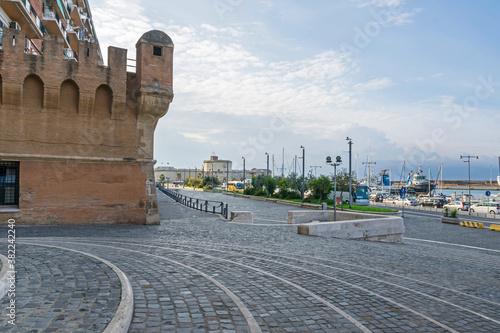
x=198 y=273
x=61 y=291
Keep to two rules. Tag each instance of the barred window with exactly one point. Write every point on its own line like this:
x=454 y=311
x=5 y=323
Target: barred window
x=9 y=183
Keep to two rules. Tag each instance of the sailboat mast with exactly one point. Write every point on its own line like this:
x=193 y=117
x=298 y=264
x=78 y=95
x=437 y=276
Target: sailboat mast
x=429 y=180
x=283 y=164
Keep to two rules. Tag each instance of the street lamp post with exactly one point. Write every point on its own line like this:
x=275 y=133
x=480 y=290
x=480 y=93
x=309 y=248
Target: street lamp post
x=267 y=176
x=468 y=157
x=349 y=141
x=303 y=171
x=337 y=163
x=227 y=176
x=244 y=179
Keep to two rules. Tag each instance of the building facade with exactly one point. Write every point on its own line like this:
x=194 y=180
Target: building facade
x=69 y=19
x=76 y=137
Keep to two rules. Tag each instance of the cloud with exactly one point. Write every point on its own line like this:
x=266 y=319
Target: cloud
x=375 y=84
x=229 y=94
x=380 y=3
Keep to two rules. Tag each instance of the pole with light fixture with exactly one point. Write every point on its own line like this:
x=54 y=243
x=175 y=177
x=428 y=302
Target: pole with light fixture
x=303 y=171
x=349 y=141
x=468 y=157
x=244 y=178
x=267 y=176
x=337 y=163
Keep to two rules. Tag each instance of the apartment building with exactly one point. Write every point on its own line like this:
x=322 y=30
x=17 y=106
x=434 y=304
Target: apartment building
x=69 y=19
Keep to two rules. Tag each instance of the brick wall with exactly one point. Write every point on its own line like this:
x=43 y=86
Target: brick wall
x=83 y=132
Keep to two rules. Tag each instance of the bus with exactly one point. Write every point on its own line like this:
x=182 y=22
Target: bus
x=361 y=196
x=236 y=186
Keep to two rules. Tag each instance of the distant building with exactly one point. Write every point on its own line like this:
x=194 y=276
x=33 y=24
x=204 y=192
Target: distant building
x=76 y=137
x=218 y=167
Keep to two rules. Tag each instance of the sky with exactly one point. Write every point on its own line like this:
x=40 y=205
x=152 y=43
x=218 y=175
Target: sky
x=410 y=82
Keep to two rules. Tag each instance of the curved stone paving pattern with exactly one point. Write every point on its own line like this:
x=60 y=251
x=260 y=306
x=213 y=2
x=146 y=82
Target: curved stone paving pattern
x=383 y=307
x=196 y=273
x=61 y=291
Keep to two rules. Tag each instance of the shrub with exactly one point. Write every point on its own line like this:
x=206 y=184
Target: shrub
x=250 y=191
x=446 y=211
x=260 y=193
x=453 y=214
x=293 y=195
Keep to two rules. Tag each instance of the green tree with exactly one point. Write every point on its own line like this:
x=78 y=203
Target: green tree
x=208 y=181
x=258 y=182
x=320 y=187
x=178 y=176
x=294 y=182
x=162 y=178
x=343 y=181
x=270 y=184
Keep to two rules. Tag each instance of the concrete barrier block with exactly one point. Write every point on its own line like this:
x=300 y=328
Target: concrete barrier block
x=349 y=225
x=242 y=216
x=390 y=229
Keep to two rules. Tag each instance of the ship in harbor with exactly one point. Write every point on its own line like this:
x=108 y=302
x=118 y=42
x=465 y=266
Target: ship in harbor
x=418 y=183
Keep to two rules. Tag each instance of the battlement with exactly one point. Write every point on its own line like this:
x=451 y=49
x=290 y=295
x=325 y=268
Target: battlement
x=50 y=85
x=56 y=110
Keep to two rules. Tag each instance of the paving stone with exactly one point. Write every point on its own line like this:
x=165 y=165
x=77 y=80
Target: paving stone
x=375 y=283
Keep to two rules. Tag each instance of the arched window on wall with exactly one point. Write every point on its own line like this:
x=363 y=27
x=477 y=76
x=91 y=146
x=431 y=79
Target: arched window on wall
x=33 y=92
x=69 y=97
x=103 y=101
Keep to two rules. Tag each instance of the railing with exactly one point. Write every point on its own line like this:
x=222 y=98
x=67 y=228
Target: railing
x=207 y=206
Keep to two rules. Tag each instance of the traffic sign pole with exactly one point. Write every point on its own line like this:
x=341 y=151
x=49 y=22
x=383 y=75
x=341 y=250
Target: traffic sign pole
x=403 y=196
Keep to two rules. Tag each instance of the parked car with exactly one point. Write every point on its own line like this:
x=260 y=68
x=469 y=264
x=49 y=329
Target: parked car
x=406 y=202
x=486 y=207
x=433 y=202
x=410 y=202
x=457 y=205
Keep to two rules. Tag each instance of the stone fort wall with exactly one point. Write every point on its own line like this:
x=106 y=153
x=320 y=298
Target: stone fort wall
x=83 y=132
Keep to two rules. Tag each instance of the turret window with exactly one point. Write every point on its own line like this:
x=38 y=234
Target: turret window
x=157 y=51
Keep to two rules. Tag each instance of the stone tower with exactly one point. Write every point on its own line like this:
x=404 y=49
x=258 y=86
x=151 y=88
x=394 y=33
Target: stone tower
x=76 y=137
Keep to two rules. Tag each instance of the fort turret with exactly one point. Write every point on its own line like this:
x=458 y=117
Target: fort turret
x=76 y=137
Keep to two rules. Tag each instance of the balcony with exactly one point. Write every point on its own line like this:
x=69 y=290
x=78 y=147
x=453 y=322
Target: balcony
x=62 y=9
x=76 y=16
x=74 y=34
x=21 y=12
x=53 y=24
